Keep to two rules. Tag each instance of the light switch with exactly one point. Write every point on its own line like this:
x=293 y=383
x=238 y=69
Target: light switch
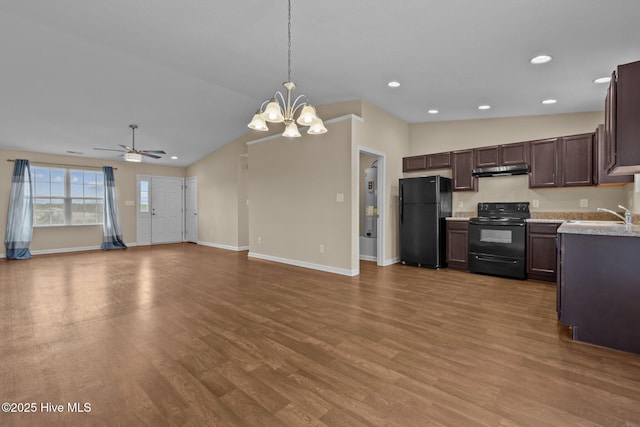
x=535 y=203
x=340 y=197
x=129 y=202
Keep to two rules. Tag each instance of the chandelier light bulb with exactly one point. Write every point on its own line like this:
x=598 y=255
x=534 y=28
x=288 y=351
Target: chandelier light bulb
x=317 y=127
x=258 y=123
x=291 y=131
x=307 y=115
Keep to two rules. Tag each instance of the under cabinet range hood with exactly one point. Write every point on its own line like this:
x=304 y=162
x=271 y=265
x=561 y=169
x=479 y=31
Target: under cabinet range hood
x=521 y=169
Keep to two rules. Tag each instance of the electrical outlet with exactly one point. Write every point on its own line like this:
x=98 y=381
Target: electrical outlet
x=259 y=240
x=535 y=203
x=584 y=203
x=461 y=204
x=340 y=197
x=321 y=249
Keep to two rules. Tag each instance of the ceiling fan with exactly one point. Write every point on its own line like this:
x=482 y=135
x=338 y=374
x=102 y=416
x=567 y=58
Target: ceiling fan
x=130 y=153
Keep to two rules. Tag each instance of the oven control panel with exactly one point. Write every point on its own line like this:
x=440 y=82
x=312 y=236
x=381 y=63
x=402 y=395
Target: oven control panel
x=504 y=209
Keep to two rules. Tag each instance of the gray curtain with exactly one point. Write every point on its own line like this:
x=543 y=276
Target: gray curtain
x=20 y=216
x=111 y=218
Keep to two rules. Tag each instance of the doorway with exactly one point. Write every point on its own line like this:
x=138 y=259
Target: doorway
x=159 y=205
x=191 y=209
x=371 y=185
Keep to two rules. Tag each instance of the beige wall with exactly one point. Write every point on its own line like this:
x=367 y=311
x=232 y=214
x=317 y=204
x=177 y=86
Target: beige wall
x=435 y=137
x=383 y=133
x=73 y=237
x=293 y=210
x=223 y=182
x=219 y=192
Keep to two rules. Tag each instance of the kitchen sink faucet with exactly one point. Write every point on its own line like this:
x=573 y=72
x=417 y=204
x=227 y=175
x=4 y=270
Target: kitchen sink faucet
x=627 y=218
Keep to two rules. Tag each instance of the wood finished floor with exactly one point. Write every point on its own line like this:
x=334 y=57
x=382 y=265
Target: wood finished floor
x=191 y=335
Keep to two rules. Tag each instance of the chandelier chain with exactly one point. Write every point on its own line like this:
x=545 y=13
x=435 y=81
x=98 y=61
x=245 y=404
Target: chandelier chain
x=289 y=53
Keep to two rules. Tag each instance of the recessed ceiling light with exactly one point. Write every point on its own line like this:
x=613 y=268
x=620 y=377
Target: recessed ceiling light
x=549 y=101
x=393 y=84
x=174 y=157
x=540 y=59
x=433 y=111
x=484 y=107
x=602 y=80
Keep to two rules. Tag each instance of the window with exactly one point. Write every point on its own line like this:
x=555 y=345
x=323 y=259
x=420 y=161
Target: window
x=67 y=196
x=144 y=196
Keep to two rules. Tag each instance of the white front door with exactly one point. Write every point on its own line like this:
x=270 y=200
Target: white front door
x=166 y=210
x=191 y=209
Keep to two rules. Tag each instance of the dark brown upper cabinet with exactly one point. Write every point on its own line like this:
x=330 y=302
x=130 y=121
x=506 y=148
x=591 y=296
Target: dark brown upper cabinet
x=600 y=176
x=414 y=163
x=501 y=155
x=485 y=157
x=610 y=124
x=576 y=160
x=514 y=154
x=622 y=120
x=543 y=157
x=561 y=162
x=462 y=166
x=426 y=162
x=439 y=160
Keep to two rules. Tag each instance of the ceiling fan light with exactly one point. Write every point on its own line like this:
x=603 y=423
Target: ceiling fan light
x=258 y=123
x=307 y=115
x=273 y=112
x=133 y=157
x=317 y=127
x=291 y=131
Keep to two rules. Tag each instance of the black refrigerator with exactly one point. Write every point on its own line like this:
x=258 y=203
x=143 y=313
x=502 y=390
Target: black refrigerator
x=425 y=202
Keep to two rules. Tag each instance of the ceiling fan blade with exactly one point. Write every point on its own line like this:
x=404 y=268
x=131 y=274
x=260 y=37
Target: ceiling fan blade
x=126 y=148
x=153 y=156
x=153 y=151
x=108 y=149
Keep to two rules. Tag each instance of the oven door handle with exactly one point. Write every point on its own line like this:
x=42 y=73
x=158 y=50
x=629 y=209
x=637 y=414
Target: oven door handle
x=501 y=261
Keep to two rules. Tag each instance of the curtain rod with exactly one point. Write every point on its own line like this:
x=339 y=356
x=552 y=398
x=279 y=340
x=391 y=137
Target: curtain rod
x=62 y=164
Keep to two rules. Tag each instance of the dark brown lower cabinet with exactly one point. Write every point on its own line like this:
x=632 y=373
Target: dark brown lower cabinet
x=598 y=290
x=541 y=250
x=458 y=244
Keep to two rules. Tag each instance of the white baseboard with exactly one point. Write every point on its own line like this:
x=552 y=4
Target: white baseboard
x=304 y=264
x=67 y=250
x=391 y=261
x=368 y=258
x=227 y=247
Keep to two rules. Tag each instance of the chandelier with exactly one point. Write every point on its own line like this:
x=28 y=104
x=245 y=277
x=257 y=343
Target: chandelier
x=280 y=109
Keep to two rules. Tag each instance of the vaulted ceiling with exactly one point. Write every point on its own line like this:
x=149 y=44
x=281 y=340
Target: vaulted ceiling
x=191 y=73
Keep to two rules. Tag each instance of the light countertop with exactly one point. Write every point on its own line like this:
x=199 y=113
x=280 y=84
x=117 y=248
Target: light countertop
x=600 y=228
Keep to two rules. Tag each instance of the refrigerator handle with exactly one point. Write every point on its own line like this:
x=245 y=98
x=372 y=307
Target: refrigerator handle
x=401 y=202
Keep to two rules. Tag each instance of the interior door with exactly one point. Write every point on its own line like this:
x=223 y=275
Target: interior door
x=166 y=210
x=191 y=209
